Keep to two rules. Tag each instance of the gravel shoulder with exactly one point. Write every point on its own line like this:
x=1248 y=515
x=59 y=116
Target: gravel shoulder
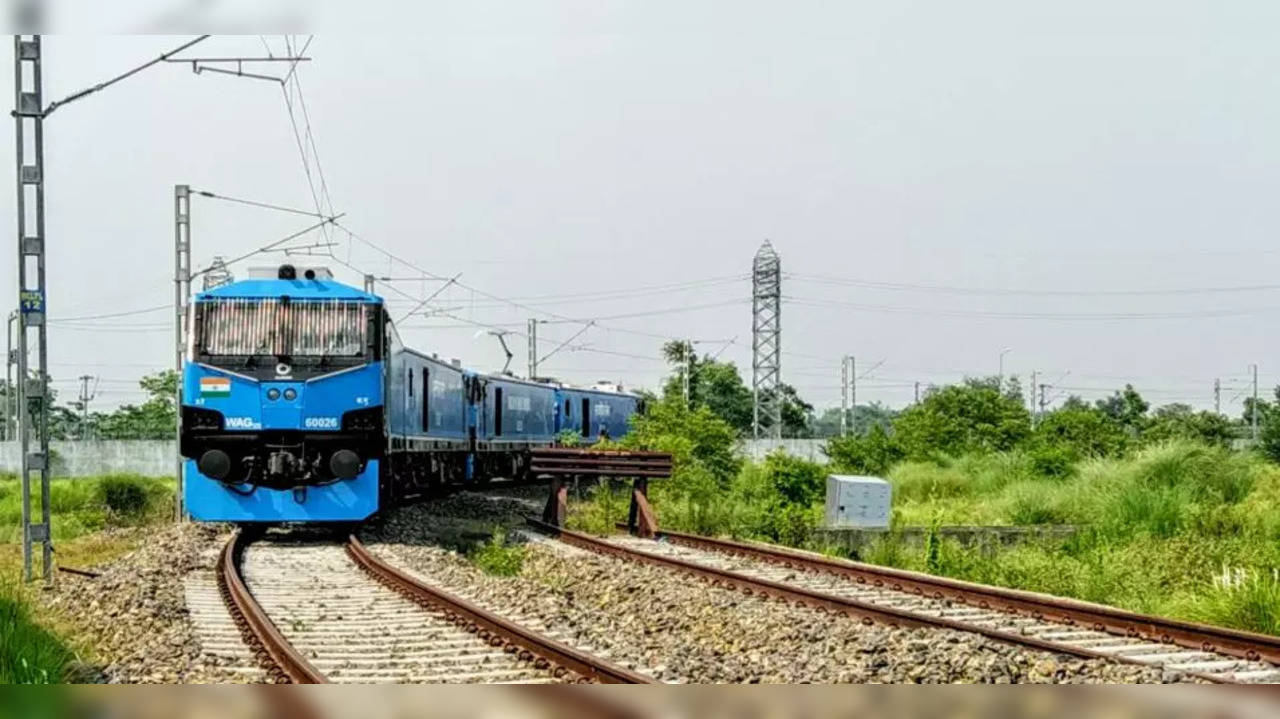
x=135 y=614
x=678 y=629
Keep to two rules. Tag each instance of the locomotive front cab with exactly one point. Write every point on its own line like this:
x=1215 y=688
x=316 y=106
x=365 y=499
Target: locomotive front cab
x=283 y=386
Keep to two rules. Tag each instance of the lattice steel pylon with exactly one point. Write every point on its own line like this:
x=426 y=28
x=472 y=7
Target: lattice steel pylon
x=766 y=342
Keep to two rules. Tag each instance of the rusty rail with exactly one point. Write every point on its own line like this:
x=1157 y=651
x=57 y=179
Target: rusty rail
x=571 y=461
x=867 y=612
x=275 y=652
x=493 y=628
x=1071 y=612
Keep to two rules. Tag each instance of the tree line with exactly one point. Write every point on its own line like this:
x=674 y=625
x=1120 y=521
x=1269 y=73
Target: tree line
x=154 y=418
x=978 y=414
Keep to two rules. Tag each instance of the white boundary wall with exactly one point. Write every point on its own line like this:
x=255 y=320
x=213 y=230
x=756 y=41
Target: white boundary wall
x=810 y=449
x=151 y=458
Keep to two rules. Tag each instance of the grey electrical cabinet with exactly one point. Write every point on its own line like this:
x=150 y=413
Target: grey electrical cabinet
x=860 y=502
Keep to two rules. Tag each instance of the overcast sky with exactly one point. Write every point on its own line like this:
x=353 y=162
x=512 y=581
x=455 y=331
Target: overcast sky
x=942 y=183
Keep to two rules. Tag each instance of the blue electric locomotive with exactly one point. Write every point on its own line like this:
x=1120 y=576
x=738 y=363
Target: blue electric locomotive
x=301 y=404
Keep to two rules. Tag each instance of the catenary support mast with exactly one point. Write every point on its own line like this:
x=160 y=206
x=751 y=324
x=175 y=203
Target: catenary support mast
x=33 y=382
x=181 y=293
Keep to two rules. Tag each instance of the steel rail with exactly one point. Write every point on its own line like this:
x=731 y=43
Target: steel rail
x=260 y=633
x=867 y=612
x=1071 y=612
x=495 y=629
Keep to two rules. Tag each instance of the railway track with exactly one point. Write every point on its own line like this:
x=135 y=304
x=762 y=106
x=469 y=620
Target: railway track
x=908 y=599
x=325 y=612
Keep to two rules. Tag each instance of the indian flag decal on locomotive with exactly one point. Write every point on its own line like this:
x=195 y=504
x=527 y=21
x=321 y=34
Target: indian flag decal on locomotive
x=215 y=386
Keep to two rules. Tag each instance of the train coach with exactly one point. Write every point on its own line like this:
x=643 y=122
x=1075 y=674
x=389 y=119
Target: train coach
x=300 y=403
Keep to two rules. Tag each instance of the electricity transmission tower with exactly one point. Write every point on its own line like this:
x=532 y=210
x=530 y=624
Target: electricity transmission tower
x=217 y=275
x=766 y=342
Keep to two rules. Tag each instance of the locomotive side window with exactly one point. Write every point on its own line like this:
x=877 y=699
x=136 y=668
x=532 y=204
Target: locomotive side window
x=426 y=398
x=586 y=417
x=568 y=406
x=409 y=371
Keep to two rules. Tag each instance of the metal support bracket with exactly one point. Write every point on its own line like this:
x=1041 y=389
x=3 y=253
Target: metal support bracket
x=641 y=520
x=557 y=508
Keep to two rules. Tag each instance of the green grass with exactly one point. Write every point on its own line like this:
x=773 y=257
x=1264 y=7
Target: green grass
x=29 y=653
x=84 y=505
x=1156 y=528
x=498 y=556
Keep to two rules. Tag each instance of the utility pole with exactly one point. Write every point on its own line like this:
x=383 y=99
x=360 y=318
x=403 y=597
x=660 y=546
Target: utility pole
x=1253 y=414
x=686 y=368
x=85 y=397
x=1042 y=397
x=917 y=399
x=369 y=284
x=844 y=396
x=533 y=348
x=853 y=396
x=1217 y=395
x=1031 y=402
x=10 y=392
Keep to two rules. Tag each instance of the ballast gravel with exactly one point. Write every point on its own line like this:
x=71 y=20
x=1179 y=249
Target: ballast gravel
x=679 y=629
x=135 y=614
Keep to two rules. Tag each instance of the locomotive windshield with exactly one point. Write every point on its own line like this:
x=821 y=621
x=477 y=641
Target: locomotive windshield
x=303 y=332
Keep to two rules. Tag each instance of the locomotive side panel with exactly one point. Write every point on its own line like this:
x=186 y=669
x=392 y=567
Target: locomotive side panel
x=429 y=404
x=587 y=412
x=515 y=412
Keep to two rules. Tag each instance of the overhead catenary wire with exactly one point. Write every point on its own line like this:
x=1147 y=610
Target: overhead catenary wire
x=1065 y=316
x=273 y=245
x=513 y=303
x=122 y=76
x=430 y=297
x=257 y=203
x=1031 y=292
x=562 y=345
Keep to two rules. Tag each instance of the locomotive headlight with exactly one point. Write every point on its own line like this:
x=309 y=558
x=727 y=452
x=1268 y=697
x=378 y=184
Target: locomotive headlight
x=290 y=394
x=273 y=394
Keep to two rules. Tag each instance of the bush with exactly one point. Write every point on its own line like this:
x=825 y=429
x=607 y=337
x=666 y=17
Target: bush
x=872 y=454
x=1053 y=462
x=796 y=481
x=497 y=557
x=124 y=495
x=1179 y=421
x=972 y=417
x=1031 y=503
x=1079 y=432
